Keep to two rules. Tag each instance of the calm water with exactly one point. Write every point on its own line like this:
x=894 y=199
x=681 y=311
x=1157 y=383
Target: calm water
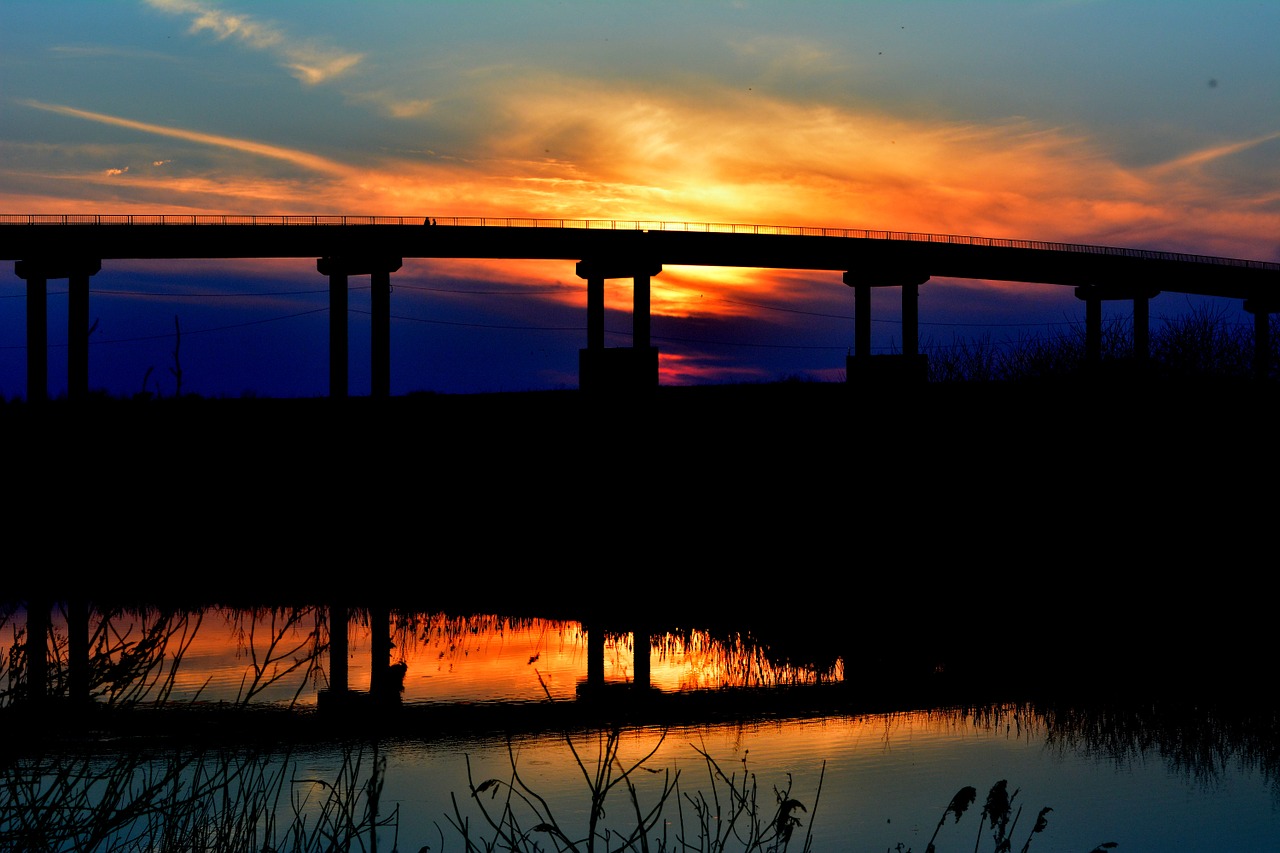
x=866 y=782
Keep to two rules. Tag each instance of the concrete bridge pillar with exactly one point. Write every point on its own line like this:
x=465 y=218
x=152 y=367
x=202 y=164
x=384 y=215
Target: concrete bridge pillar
x=595 y=313
x=630 y=368
x=1093 y=296
x=379 y=270
x=37 y=273
x=910 y=364
x=861 y=319
x=911 y=319
x=1262 y=309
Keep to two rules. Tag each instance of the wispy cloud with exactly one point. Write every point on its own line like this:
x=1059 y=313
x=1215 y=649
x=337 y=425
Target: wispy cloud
x=1210 y=154
x=309 y=62
x=289 y=155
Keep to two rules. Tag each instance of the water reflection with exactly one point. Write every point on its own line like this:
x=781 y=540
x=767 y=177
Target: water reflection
x=252 y=758
x=294 y=656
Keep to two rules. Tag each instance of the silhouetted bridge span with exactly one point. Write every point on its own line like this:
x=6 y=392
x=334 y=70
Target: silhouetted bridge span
x=74 y=247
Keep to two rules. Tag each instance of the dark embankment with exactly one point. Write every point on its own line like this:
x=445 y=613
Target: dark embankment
x=1024 y=524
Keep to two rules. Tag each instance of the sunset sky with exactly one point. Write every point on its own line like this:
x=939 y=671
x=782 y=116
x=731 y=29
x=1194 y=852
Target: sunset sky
x=1137 y=124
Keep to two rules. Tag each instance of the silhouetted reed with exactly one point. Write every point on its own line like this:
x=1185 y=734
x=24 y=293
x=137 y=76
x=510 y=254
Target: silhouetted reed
x=133 y=658
x=134 y=655
x=280 y=648
x=1203 y=342
x=729 y=814
x=999 y=818
x=183 y=800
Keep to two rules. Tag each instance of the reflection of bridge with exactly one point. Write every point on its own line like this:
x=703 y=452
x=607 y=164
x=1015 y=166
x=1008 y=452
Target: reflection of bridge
x=60 y=704
x=75 y=247
x=386 y=680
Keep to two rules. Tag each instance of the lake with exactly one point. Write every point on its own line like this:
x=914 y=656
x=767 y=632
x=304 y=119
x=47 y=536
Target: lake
x=870 y=768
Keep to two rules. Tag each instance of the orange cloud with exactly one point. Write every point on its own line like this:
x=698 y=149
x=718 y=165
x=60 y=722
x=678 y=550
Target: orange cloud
x=550 y=147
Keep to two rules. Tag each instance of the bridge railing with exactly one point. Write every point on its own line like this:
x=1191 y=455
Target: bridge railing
x=617 y=225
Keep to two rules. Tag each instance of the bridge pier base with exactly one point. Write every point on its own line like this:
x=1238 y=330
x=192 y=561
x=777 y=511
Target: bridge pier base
x=379 y=270
x=37 y=275
x=909 y=367
x=1262 y=309
x=620 y=369
x=1093 y=297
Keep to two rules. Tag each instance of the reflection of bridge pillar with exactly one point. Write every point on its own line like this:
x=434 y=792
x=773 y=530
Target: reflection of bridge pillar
x=1093 y=296
x=642 y=653
x=635 y=367
x=379 y=271
x=910 y=364
x=78 y=650
x=379 y=651
x=1262 y=309
x=37 y=652
x=37 y=275
x=595 y=655
x=338 y=649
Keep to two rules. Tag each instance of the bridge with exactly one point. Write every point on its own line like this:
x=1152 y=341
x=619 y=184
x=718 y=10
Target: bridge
x=74 y=247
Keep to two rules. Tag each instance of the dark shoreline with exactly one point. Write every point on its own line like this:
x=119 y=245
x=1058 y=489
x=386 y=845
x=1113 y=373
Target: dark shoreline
x=1099 y=512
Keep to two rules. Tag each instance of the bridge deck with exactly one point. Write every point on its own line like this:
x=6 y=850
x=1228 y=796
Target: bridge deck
x=873 y=253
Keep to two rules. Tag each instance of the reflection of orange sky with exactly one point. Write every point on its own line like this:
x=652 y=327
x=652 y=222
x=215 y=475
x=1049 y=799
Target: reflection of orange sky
x=448 y=658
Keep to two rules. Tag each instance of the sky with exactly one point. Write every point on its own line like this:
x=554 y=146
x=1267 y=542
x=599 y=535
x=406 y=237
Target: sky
x=1134 y=124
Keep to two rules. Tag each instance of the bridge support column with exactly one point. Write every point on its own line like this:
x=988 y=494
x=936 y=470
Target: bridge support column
x=911 y=320
x=910 y=366
x=37 y=274
x=338 y=336
x=1093 y=297
x=620 y=369
x=37 y=338
x=861 y=320
x=379 y=270
x=380 y=339
x=78 y=336
x=595 y=313
x=640 y=319
x=1262 y=309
